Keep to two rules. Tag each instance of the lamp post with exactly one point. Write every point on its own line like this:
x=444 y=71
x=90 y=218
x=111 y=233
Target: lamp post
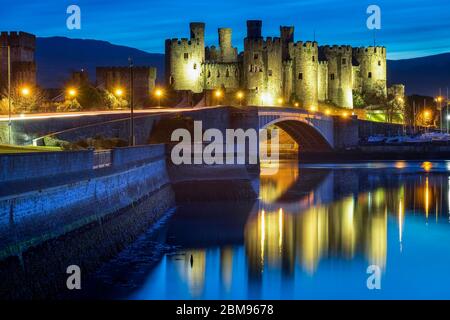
x=158 y=94
x=240 y=95
x=132 y=142
x=218 y=95
x=71 y=92
x=8 y=48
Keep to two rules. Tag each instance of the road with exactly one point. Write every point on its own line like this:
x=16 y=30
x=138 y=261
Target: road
x=95 y=113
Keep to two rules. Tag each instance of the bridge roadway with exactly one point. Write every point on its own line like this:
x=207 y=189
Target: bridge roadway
x=312 y=131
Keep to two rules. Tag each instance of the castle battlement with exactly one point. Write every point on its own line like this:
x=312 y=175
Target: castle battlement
x=300 y=70
x=305 y=44
x=183 y=42
x=378 y=50
x=18 y=39
x=337 y=48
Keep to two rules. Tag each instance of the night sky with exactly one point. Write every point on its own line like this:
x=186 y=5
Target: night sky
x=410 y=28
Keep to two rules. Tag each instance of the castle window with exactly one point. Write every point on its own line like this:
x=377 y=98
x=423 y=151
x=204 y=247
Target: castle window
x=186 y=56
x=260 y=70
x=379 y=63
x=250 y=68
x=218 y=74
x=255 y=56
x=171 y=80
x=209 y=73
x=195 y=66
x=370 y=75
x=269 y=73
x=344 y=61
x=313 y=58
x=300 y=76
x=332 y=76
x=228 y=73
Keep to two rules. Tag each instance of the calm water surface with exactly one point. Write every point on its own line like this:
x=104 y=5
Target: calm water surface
x=312 y=235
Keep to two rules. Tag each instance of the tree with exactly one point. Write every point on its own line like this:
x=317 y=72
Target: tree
x=23 y=100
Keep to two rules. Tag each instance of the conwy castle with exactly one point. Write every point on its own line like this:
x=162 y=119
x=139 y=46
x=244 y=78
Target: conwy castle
x=274 y=70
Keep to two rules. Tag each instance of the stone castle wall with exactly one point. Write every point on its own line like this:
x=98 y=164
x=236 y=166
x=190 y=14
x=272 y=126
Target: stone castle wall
x=277 y=69
x=306 y=64
x=340 y=70
x=23 y=66
x=372 y=62
x=144 y=79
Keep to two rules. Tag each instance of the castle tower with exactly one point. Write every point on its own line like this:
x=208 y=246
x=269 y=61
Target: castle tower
x=184 y=60
x=372 y=69
x=253 y=62
x=287 y=36
x=273 y=73
x=339 y=75
x=305 y=74
x=227 y=52
x=23 y=66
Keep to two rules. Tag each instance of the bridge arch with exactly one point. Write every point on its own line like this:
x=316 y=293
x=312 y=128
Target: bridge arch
x=306 y=134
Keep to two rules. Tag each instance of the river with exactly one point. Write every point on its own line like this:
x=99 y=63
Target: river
x=312 y=234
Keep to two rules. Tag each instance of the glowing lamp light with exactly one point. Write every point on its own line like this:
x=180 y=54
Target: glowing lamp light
x=313 y=109
x=218 y=93
x=427 y=114
x=345 y=114
x=25 y=91
x=280 y=101
x=448 y=117
x=72 y=92
x=327 y=112
x=118 y=92
x=267 y=98
x=240 y=95
x=296 y=104
x=158 y=93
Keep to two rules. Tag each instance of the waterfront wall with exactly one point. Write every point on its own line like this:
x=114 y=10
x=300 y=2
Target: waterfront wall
x=44 y=164
x=33 y=211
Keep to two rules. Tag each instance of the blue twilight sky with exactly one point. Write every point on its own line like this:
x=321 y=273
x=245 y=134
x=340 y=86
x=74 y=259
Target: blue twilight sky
x=410 y=28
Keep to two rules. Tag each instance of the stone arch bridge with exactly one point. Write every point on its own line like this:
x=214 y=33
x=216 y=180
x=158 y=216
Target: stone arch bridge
x=312 y=131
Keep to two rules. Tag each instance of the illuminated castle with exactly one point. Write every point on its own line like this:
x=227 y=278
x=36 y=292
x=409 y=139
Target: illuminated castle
x=274 y=69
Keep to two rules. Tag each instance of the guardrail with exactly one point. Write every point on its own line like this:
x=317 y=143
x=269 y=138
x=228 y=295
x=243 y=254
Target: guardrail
x=102 y=159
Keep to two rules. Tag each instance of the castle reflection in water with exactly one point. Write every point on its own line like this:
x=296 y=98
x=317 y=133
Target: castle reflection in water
x=310 y=215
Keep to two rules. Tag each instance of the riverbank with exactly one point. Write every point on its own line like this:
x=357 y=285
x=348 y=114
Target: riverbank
x=379 y=153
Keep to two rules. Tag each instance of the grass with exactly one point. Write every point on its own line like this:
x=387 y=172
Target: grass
x=9 y=149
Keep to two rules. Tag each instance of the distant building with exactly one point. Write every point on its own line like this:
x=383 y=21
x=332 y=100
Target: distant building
x=113 y=78
x=272 y=69
x=23 y=65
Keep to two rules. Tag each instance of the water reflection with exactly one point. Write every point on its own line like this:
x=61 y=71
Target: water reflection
x=319 y=226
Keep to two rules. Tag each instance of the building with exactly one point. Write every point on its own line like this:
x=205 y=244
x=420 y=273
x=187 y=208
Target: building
x=23 y=66
x=114 y=78
x=274 y=70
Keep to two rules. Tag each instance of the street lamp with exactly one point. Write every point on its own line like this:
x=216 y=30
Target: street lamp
x=240 y=96
x=280 y=101
x=218 y=95
x=159 y=93
x=25 y=91
x=131 y=67
x=118 y=92
x=9 y=92
x=72 y=93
